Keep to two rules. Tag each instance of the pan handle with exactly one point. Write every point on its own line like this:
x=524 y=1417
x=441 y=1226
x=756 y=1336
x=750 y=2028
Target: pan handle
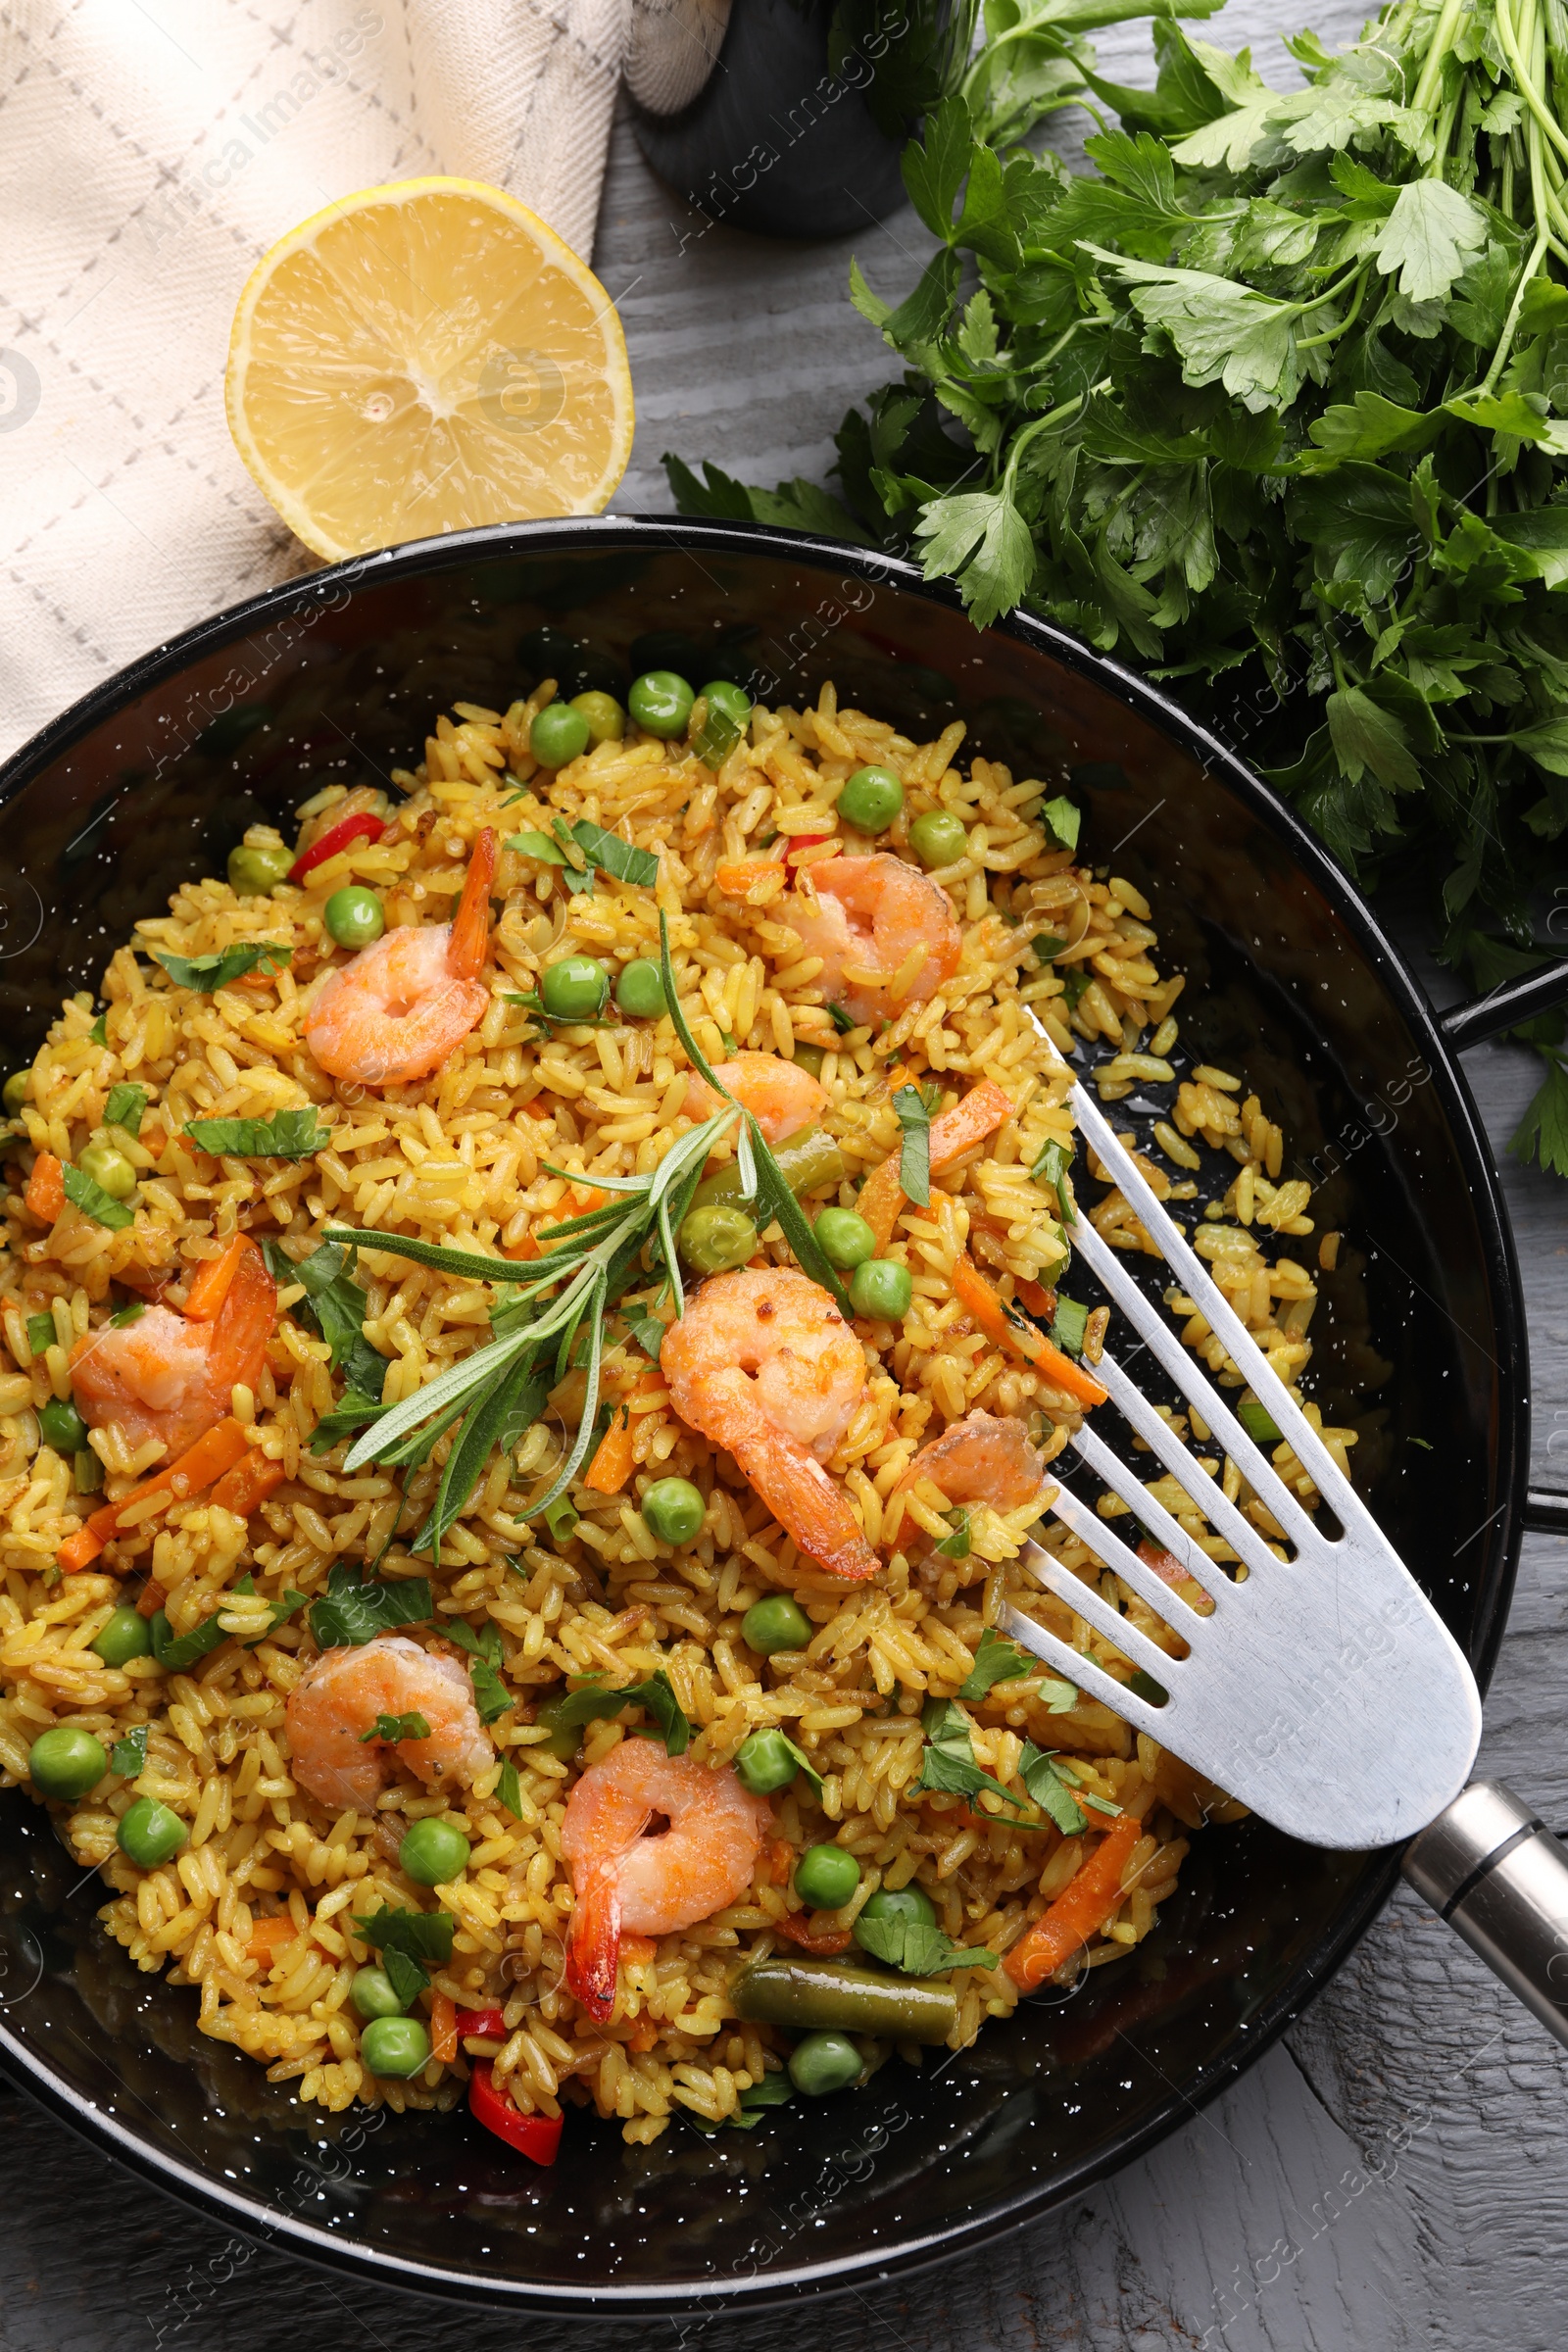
x=1491 y=1867
x=1503 y=1007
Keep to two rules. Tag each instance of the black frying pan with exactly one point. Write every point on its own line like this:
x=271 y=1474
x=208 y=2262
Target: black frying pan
x=153 y=778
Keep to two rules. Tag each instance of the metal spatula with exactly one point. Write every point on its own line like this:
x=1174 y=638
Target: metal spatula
x=1323 y=1692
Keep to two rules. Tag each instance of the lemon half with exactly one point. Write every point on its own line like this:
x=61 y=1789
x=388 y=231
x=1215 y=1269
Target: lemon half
x=424 y=358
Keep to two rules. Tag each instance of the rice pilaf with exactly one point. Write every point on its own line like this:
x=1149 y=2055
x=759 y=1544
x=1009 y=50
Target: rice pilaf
x=258 y=1909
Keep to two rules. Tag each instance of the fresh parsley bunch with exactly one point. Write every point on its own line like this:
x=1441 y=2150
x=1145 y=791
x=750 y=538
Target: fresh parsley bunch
x=1275 y=404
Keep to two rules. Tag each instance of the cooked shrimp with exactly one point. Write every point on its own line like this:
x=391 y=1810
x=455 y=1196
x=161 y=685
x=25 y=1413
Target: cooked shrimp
x=764 y=1363
x=886 y=935
x=782 y=1095
x=982 y=1458
x=161 y=1377
x=627 y=1873
x=404 y=1006
x=337 y=1700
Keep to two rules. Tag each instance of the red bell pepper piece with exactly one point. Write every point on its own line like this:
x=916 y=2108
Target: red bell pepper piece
x=363 y=825
x=487 y=2024
x=803 y=840
x=536 y=2136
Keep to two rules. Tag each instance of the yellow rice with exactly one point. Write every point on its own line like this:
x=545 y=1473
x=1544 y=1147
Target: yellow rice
x=460 y=1159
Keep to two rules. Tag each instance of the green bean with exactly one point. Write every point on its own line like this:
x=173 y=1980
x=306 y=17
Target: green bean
x=807 y=1159
x=811 y=1997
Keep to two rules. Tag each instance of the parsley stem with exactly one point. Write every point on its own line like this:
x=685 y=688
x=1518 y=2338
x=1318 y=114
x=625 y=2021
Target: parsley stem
x=1079 y=400
x=1332 y=334
x=1443 y=32
x=1528 y=90
x=1511 y=324
x=1302 y=310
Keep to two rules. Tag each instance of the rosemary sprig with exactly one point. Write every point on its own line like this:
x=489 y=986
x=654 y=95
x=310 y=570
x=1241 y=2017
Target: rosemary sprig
x=588 y=1263
x=500 y=1389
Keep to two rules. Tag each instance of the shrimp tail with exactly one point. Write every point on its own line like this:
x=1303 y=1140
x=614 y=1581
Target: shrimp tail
x=592 y=1955
x=795 y=1488
x=470 y=931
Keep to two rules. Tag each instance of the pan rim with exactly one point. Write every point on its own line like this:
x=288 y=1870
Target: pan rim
x=251 y=2212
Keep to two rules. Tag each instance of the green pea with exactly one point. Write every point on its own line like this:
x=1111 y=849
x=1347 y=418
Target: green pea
x=110 y=1169
x=675 y=1509
x=716 y=1240
x=126 y=1636
x=66 y=1762
x=823 y=2062
x=560 y=732
x=398 y=2046
x=764 y=1763
x=565 y=1738
x=661 y=701
x=640 y=990
x=434 y=1854
x=775 y=1622
x=63 y=1426
x=14 y=1092
x=607 y=720
x=845 y=1238
x=256 y=869
x=938 y=839
x=726 y=714
x=733 y=701
x=353 y=916
x=826 y=1876
x=871 y=800
x=574 y=989
x=150 y=1834
x=897 y=1903
x=882 y=1289
x=372 y=1995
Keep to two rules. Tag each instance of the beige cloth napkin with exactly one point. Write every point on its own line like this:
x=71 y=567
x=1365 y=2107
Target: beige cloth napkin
x=150 y=151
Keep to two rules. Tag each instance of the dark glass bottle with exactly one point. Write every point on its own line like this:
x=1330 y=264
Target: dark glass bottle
x=789 y=117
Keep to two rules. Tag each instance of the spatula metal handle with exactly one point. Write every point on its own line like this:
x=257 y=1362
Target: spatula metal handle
x=1490 y=1866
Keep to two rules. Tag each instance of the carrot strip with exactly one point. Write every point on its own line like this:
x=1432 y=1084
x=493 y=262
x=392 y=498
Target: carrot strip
x=151 y=1598
x=983 y=1110
x=269 y=1937
x=1037 y=1299
x=979 y=1299
x=218 y=1450
x=79 y=1550
x=443 y=2027
x=1084 y=1905
x=249 y=1483
x=1167 y=1566
x=470 y=932
x=45 y=1194
x=881 y=1197
x=735 y=877
x=611 y=1464
x=209 y=1284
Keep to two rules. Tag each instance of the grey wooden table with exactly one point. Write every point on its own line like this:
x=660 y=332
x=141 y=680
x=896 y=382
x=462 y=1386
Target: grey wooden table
x=1394 y=2173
